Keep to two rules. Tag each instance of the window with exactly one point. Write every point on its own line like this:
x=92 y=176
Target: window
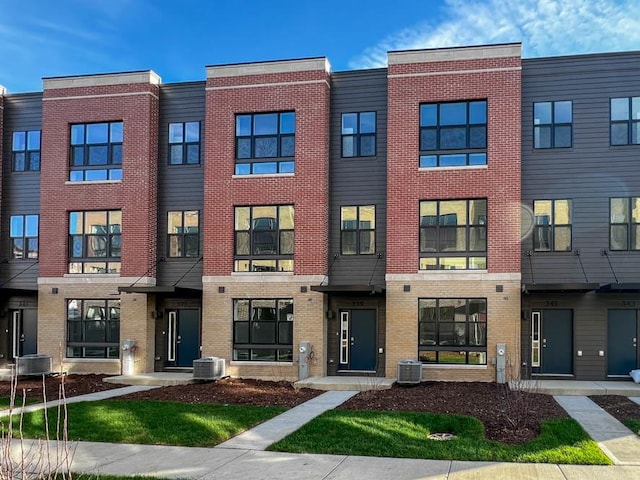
x=96 y=151
x=25 y=151
x=452 y=330
x=24 y=236
x=453 y=234
x=183 y=229
x=624 y=229
x=184 y=143
x=265 y=143
x=93 y=328
x=359 y=134
x=453 y=134
x=263 y=330
x=625 y=121
x=264 y=239
x=358 y=230
x=95 y=240
x=552 y=229
x=552 y=124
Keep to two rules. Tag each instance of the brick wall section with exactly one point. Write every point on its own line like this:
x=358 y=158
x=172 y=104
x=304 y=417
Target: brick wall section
x=137 y=106
x=499 y=182
x=307 y=190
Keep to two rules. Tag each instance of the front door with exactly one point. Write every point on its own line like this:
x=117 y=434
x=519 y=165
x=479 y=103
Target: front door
x=358 y=340
x=622 y=342
x=556 y=352
x=183 y=337
x=24 y=332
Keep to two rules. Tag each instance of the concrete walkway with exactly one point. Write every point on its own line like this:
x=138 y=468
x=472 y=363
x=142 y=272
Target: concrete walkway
x=619 y=443
x=635 y=399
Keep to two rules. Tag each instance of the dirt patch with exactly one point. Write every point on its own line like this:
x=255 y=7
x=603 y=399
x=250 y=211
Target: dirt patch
x=620 y=407
x=74 y=385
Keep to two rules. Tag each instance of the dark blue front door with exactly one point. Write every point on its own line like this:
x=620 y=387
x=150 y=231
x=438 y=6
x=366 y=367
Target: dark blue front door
x=622 y=342
x=362 y=340
x=557 y=342
x=183 y=337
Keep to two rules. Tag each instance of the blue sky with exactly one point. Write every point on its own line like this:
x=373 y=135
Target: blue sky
x=176 y=39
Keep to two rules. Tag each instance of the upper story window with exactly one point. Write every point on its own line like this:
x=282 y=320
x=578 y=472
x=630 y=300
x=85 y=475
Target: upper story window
x=93 y=328
x=625 y=121
x=265 y=143
x=359 y=134
x=624 y=228
x=183 y=230
x=184 y=143
x=552 y=229
x=552 y=124
x=95 y=241
x=25 y=150
x=358 y=230
x=24 y=236
x=96 y=151
x=264 y=239
x=453 y=234
x=453 y=134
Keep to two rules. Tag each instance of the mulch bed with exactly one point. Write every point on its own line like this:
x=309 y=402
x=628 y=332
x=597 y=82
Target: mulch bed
x=74 y=385
x=620 y=407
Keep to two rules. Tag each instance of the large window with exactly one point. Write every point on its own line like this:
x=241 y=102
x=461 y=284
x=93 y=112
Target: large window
x=452 y=330
x=96 y=151
x=25 y=150
x=263 y=330
x=359 y=134
x=552 y=229
x=184 y=143
x=453 y=234
x=552 y=124
x=265 y=143
x=93 y=328
x=95 y=240
x=264 y=239
x=183 y=230
x=625 y=121
x=624 y=228
x=453 y=134
x=24 y=236
x=358 y=230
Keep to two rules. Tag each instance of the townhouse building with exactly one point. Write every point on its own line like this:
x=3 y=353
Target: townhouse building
x=460 y=205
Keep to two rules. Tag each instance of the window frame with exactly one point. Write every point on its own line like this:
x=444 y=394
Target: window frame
x=440 y=223
x=358 y=231
x=86 y=171
x=183 y=236
x=111 y=347
x=110 y=262
x=184 y=144
x=24 y=237
x=28 y=153
x=553 y=126
x=629 y=122
x=630 y=225
x=283 y=351
x=433 y=157
x=552 y=226
x=358 y=135
x=439 y=345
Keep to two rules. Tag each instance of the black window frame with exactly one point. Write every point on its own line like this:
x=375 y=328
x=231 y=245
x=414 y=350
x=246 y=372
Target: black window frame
x=109 y=237
x=359 y=232
x=82 y=170
x=440 y=224
x=24 y=238
x=632 y=124
x=183 y=146
x=104 y=318
x=254 y=164
x=632 y=229
x=358 y=136
x=184 y=237
x=267 y=251
x=247 y=326
x=439 y=156
x=551 y=227
x=442 y=337
x=553 y=126
x=30 y=156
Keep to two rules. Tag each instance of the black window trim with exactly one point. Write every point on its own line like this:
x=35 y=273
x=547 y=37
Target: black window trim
x=26 y=151
x=183 y=235
x=358 y=230
x=109 y=166
x=552 y=226
x=628 y=224
x=85 y=344
x=358 y=135
x=629 y=122
x=552 y=126
x=24 y=237
x=108 y=258
x=184 y=143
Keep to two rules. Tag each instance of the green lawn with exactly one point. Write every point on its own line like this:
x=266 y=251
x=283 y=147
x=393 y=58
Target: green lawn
x=404 y=434
x=633 y=425
x=151 y=422
x=5 y=402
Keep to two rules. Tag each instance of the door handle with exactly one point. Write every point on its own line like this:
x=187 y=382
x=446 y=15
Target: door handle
x=353 y=340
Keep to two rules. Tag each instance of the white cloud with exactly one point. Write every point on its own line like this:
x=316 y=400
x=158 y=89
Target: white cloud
x=545 y=28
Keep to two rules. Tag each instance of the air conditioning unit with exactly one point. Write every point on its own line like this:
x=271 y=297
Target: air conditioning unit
x=34 y=364
x=208 y=368
x=409 y=372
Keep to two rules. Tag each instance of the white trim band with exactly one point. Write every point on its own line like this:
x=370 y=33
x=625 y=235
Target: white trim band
x=101 y=80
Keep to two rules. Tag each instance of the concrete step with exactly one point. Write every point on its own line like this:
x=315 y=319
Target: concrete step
x=360 y=384
x=158 y=379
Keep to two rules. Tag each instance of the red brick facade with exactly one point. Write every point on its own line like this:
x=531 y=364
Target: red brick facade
x=136 y=105
x=498 y=81
x=306 y=93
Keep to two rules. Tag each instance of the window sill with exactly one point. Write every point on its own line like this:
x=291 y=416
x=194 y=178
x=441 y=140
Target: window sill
x=264 y=175
x=91 y=182
x=237 y=363
x=461 y=167
x=91 y=275
x=448 y=366
x=87 y=360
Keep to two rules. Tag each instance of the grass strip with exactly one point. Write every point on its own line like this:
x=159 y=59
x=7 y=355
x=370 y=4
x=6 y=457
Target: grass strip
x=6 y=401
x=633 y=425
x=150 y=422
x=404 y=435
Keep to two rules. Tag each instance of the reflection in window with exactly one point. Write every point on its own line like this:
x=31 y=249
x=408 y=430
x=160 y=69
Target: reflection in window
x=552 y=229
x=23 y=232
x=359 y=134
x=625 y=121
x=552 y=124
x=25 y=151
x=358 y=230
x=96 y=151
x=624 y=228
x=93 y=328
x=95 y=241
x=183 y=231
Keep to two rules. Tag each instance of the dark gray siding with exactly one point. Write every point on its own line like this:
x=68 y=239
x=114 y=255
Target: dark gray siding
x=358 y=181
x=180 y=187
x=20 y=190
